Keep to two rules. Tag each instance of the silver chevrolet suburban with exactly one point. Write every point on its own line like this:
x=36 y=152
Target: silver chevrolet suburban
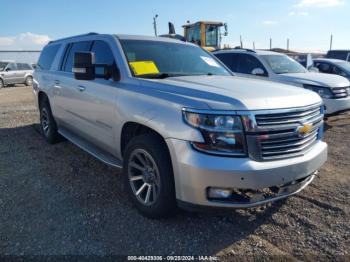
x=15 y=73
x=185 y=130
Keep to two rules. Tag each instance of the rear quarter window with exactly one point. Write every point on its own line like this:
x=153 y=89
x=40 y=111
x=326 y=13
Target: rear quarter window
x=47 y=56
x=22 y=66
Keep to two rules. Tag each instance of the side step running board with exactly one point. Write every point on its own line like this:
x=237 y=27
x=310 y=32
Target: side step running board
x=92 y=150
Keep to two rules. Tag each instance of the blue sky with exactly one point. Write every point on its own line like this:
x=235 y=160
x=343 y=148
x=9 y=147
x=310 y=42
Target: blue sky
x=308 y=23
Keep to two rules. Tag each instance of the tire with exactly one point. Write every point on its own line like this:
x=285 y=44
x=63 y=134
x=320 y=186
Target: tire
x=155 y=172
x=48 y=123
x=1 y=83
x=28 y=81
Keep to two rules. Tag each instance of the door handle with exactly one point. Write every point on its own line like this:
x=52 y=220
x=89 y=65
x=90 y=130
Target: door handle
x=57 y=84
x=81 y=88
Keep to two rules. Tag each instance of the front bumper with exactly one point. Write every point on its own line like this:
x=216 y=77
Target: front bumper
x=336 y=105
x=195 y=172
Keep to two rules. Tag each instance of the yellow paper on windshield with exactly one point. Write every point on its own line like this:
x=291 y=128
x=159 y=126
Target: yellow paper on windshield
x=144 y=67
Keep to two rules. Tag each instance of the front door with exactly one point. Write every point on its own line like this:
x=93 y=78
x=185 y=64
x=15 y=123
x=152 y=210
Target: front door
x=10 y=74
x=97 y=101
x=87 y=107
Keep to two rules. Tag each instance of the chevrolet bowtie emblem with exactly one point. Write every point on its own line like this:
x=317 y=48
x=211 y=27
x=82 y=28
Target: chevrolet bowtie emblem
x=305 y=129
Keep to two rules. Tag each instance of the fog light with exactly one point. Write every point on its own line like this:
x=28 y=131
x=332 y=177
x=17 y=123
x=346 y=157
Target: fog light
x=219 y=193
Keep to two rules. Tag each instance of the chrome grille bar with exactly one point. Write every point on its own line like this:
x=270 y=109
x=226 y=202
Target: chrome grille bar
x=279 y=133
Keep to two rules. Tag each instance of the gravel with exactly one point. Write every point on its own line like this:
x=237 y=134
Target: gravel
x=58 y=200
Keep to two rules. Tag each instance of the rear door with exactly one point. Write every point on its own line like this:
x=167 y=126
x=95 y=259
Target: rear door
x=20 y=73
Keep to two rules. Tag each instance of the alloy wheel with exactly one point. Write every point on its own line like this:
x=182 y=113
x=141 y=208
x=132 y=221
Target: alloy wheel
x=143 y=177
x=45 y=121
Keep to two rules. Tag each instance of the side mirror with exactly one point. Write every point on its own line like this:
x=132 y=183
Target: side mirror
x=8 y=69
x=84 y=66
x=258 y=72
x=226 y=30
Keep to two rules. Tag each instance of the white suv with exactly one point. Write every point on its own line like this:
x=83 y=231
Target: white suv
x=335 y=90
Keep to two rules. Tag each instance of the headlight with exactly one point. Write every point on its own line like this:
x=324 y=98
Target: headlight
x=323 y=92
x=223 y=134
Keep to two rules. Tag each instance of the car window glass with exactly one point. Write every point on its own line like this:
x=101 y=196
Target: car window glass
x=103 y=53
x=27 y=67
x=230 y=60
x=248 y=63
x=173 y=57
x=324 y=67
x=47 y=56
x=20 y=66
x=338 y=71
x=76 y=47
x=12 y=66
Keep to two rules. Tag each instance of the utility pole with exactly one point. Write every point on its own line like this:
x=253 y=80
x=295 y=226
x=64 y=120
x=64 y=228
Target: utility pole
x=331 y=44
x=253 y=45
x=287 y=44
x=270 y=43
x=240 y=37
x=155 y=24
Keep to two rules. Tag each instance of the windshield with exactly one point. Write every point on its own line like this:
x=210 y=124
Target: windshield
x=282 y=64
x=156 y=58
x=345 y=66
x=3 y=65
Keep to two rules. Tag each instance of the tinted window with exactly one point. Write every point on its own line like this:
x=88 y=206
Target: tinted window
x=103 y=53
x=230 y=60
x=248 y=63
x=323 y=67
x=3 y=65
x=12 y=66
x=47 y=56
x=338 y=54
x=22 y=66
x=75 y=47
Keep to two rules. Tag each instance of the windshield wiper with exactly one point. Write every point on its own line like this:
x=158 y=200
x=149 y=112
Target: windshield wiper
x=160 y=75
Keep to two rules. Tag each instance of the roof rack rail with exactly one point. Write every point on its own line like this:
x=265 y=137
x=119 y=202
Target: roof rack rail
x=245 y=49
x=65 y=38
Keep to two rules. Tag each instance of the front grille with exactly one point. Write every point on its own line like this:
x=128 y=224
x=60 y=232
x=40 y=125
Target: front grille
x=342 y=92
x=288 y=118
x=288 y=134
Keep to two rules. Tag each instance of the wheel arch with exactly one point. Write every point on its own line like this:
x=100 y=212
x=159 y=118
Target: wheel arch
x=132 y=129
x=41 y=96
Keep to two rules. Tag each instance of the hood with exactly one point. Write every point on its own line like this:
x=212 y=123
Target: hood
x=230 y=93
x=316 y=79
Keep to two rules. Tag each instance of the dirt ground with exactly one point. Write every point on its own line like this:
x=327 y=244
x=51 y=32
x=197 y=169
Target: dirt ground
x=58 y=200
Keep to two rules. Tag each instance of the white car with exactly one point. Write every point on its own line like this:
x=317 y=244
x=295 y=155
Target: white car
x=334 y=89
x=333 y=66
